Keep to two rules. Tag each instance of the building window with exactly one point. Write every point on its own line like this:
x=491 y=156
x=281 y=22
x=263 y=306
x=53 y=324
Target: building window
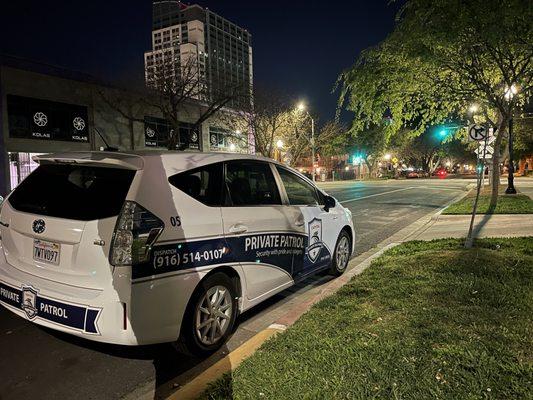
x=157 y=132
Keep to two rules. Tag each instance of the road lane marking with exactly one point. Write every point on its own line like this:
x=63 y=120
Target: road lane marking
x=376 y=194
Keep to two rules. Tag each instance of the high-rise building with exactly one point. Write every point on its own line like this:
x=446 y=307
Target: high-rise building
x=185 y=36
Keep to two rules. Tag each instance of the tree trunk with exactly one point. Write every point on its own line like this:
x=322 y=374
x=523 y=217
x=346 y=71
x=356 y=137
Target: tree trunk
x=500 y=131
x=370 y=167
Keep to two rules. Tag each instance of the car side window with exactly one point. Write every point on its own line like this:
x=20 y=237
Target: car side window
x=299 y=192
x=203 y=184
x=251 y=184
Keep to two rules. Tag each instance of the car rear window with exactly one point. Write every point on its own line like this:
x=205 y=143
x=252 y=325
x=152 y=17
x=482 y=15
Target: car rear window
x=73 y=191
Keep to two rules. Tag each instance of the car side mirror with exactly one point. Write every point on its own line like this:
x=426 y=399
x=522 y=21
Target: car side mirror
x=329 y=202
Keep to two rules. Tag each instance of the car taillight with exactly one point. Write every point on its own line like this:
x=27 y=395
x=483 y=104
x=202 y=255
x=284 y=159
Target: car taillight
x=135 y=232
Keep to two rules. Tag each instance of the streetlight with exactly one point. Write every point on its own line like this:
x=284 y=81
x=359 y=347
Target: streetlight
x=509 y=93
x=279 y=145
x=473 y=108
x=232 y=147
x=301 y=107
x=387 y=156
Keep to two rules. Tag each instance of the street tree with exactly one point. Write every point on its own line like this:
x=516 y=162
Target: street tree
x=370 y=144
x=441 y=57
x=523 y=139
x=129 y=106
x=268 y=117
x=177 y=89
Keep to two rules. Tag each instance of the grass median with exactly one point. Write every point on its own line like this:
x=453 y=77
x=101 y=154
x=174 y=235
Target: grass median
x=426 y=320
x=507 y=204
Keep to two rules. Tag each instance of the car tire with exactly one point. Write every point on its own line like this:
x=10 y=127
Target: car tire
x=198 y=335
x=341 y=255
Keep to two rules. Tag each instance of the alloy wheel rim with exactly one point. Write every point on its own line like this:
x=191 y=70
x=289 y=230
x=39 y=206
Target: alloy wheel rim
x=213 y=315
x=343 y=253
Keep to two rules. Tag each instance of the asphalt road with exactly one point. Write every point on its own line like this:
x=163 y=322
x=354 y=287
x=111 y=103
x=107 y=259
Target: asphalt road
x=40 y=363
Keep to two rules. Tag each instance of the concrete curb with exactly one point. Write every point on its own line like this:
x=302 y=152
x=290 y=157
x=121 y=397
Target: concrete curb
x=194 y=388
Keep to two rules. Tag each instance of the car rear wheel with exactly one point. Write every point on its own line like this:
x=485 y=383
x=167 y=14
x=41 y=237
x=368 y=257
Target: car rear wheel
x=341 y=256
x=210 y=316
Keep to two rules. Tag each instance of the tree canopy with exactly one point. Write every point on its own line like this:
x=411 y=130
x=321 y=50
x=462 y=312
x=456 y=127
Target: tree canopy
x=443 y=56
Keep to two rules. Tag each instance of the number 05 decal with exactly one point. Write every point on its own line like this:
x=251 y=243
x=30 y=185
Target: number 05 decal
x=175 y=221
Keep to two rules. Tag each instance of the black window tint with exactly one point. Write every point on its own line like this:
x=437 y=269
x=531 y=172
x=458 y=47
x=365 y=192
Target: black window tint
x=251 y=184
x=73 y=192
x=321 y=197
x=298 y=191
x=203 y=184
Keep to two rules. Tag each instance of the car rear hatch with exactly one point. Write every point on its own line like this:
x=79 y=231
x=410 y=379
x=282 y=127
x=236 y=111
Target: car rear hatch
x=58 y=223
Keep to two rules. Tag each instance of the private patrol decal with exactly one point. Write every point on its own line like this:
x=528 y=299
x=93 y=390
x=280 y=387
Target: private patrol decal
x=29 y=301
x=75 y=316
x=315 y=239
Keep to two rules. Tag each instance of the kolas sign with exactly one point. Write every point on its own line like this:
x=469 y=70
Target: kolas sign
x=31 y=118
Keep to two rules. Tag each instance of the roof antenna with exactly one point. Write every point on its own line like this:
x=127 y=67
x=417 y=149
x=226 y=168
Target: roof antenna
x=107 y=146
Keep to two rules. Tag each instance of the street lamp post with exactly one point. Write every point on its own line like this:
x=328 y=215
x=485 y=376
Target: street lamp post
x=312 y=143
x=301 y=107
x=510 y=178
x=509 y=93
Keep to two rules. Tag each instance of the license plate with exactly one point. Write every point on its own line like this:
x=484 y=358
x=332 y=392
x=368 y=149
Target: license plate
x=47 y=252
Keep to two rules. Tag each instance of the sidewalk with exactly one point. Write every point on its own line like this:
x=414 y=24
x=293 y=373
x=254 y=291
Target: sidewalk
x=485 y=225
x=524 y=186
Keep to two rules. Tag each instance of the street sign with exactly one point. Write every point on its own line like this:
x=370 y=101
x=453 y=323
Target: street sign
x=484 y=150
x=477 y=132
x=487 y=150
x=491 y=139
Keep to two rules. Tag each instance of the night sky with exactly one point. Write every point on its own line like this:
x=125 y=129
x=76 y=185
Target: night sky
x=299 y=47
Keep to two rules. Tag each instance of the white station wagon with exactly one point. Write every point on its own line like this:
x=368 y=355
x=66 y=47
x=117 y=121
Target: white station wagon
x=154 y=247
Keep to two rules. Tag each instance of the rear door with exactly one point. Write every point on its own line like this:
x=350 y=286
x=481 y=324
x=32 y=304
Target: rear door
x=320 y=227
x=58 y=223
x=259 y=229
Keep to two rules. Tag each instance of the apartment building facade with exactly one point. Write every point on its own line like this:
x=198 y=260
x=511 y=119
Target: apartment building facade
x=188 y=36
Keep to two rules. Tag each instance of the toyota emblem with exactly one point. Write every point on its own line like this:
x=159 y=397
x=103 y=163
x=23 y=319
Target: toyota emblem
x=38 y=226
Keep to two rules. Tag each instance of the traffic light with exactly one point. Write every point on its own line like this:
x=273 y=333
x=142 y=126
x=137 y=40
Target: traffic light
x=357 y=158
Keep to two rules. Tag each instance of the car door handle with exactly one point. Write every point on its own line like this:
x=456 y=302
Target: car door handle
x=238 y=228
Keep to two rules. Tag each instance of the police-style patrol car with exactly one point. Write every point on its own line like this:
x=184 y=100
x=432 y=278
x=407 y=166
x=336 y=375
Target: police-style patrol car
x=157 y=247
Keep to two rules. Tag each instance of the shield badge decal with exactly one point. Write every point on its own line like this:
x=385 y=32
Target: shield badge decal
x=29 y=301
x=315 y=239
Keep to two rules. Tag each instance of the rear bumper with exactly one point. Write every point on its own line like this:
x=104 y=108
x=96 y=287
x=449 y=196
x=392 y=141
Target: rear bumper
x=93 y=314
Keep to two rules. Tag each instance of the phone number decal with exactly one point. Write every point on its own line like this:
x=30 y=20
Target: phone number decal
x=175 y=258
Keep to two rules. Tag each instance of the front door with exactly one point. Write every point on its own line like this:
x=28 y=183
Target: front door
x=319 y=225
x=262 y=233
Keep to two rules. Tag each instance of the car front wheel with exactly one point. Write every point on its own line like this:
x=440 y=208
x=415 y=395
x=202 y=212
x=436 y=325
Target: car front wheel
x=341 y=256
